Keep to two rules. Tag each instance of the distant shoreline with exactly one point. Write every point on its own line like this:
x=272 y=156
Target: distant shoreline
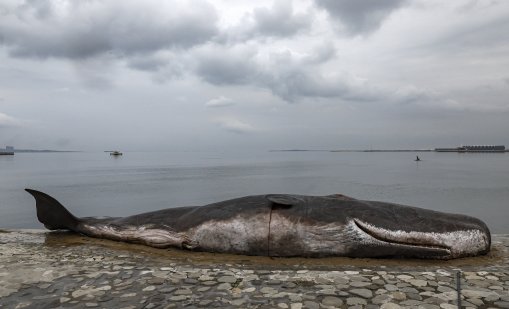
x=380 y=150
x=352 y=150
x=38 y=151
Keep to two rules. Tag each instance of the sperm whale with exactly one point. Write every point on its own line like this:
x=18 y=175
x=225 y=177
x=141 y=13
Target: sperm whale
x=287 y=225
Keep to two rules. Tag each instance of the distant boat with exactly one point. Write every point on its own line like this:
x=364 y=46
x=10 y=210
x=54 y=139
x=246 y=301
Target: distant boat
x=115 y=153
x=417 y=159
x=6 y=153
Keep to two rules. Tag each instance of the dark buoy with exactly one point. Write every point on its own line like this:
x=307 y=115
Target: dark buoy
x=417 y=159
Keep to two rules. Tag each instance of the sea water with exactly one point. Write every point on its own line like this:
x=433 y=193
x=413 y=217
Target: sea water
x=97 y=184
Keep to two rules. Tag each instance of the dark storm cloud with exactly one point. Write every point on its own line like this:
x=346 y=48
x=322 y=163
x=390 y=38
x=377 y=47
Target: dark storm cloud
x=164 y=66
x=360 y=16
x=149 y=64
x=322 y=53
x=81 y=29
x=226 y=67
x=285 y=75
x=295 y=83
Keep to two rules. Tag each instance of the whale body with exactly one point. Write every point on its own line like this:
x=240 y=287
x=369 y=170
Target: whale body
x=287 y=225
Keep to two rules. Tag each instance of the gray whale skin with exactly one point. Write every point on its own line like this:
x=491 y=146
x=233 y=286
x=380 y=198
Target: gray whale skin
x=287 y=225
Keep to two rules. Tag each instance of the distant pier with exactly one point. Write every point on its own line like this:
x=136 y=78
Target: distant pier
x=476 y=148
x=461 y=149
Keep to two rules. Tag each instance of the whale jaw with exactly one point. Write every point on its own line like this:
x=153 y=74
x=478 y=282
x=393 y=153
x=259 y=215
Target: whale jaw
x=431 y=245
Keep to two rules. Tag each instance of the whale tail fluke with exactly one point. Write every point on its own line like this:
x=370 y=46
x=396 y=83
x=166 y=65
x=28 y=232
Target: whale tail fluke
x=51 y=213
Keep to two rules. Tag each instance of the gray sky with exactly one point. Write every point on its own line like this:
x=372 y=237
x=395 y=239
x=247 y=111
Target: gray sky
x=226 y=74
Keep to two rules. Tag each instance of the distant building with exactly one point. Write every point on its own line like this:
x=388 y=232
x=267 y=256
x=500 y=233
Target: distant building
x=9 y=150
x=474 y=148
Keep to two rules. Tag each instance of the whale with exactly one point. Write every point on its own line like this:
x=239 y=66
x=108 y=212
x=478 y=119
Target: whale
x=285 y=225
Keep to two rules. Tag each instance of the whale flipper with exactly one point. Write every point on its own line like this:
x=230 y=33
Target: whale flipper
x=52 y=214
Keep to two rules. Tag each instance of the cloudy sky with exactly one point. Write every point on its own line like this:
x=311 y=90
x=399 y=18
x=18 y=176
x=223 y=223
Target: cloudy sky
x=224 y=74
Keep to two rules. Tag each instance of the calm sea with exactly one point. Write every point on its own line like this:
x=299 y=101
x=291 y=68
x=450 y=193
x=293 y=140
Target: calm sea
x=96 y=184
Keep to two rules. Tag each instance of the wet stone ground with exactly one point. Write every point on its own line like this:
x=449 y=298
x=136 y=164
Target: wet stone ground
x=63 y=270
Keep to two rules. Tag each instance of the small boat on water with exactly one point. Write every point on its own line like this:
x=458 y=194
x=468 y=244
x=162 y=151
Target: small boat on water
x=6 y=153
x=115 y=153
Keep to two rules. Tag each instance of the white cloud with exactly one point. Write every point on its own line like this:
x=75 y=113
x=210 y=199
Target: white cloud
x=234 y=125
x=221 y=101
x=280 y=20
x=275 y=21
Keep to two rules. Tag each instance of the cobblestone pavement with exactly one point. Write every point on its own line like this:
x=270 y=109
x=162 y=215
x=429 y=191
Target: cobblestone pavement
x=61 y=270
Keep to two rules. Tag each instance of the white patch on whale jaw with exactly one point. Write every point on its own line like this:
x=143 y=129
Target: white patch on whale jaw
x=160 y=237
x=360 y=239
x=461 y=243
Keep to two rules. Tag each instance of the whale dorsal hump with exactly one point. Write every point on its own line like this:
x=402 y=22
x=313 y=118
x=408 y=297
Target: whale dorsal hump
x=341 y=197
x=282 y=200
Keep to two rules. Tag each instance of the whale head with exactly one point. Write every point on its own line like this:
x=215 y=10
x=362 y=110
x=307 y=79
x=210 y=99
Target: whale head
x=339 y=225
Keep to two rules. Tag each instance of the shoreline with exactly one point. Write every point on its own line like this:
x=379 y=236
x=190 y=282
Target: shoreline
x=53 y=269
x=387 y=150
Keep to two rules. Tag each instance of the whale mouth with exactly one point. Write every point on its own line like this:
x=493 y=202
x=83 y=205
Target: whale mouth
x=425 y=246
